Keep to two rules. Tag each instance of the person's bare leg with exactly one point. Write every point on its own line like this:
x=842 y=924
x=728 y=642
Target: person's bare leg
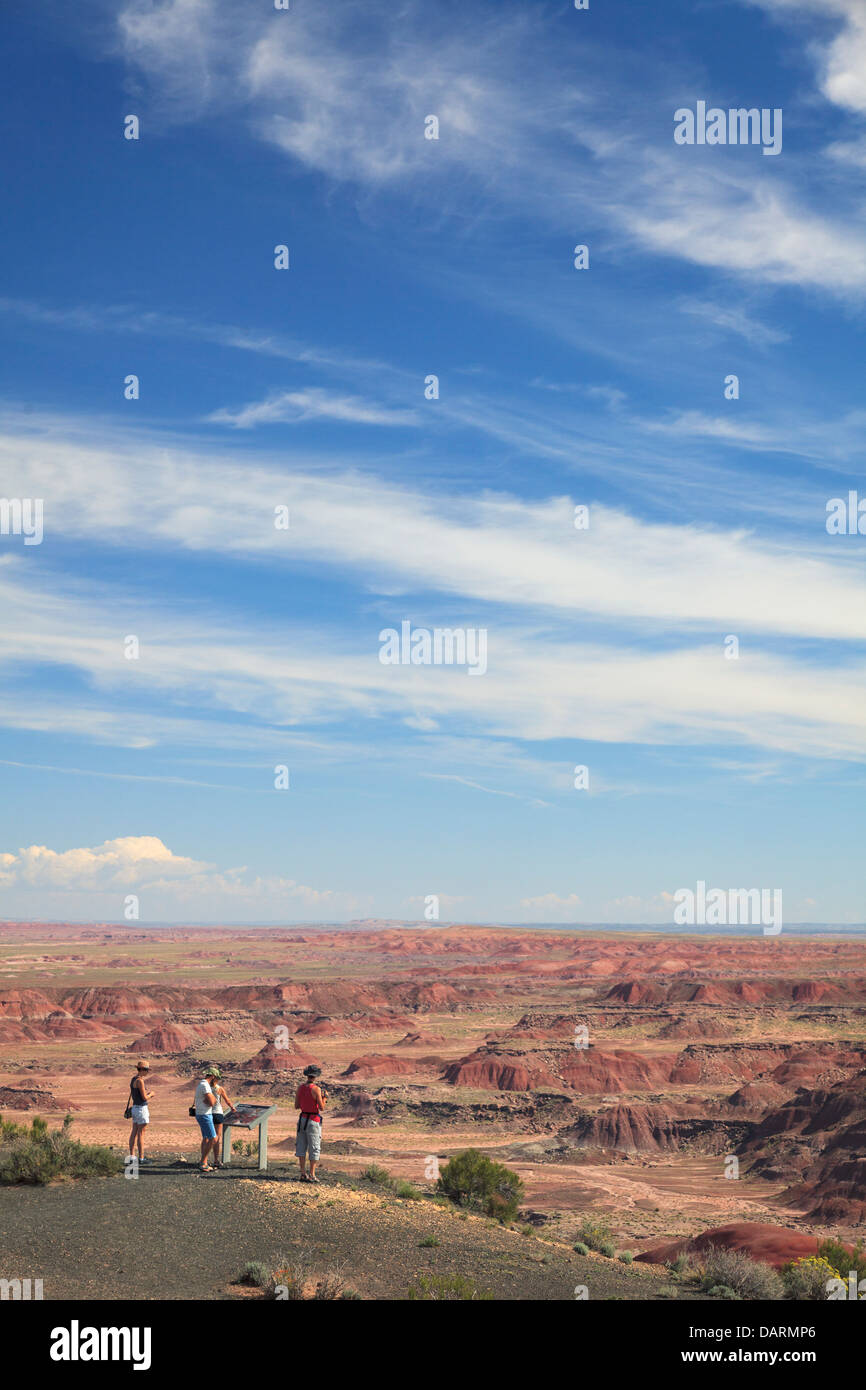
x=141 y=1129
x=132 y=1139
x=205 y=1150
x=313 y=1162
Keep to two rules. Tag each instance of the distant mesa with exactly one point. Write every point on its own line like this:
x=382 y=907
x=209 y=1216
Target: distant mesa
x=106 y=1002
x=321 y=1027
x=25 y=1003
x=630 y=1129
x=379 y=1064
x=696 y=1027
x=32 y=1098
x=65 y=1026
x=490 y=1071
x=167 y=1038
x=273 y=1058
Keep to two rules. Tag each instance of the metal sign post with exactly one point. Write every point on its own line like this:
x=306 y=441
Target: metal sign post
x=248 y=1117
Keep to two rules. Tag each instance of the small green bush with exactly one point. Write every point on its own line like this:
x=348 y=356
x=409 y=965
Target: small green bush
x=472 y=1179
x=34 y=1154
x=834 y=1252
x=581 y=1247
x=378 y=1176
x=255 y=1273
x=626 y=1257
x=406 y=1191
x=428 y=1242
x=595 y=1234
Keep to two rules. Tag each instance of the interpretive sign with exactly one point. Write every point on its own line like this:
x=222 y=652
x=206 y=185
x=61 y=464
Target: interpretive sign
x=248 y=1117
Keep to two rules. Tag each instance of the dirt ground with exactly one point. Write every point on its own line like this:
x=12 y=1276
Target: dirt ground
x=180 y=1235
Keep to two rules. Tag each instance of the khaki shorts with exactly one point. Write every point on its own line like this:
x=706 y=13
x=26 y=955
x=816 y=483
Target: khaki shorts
x=309 y=1141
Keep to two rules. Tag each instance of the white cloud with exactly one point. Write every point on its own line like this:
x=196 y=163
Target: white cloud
x=842 y=59
x=345 y=92
x=499 y=550
x=733 y=319
x=143 y=865
x=550 y=907
x=311 y=404
x=129 y=862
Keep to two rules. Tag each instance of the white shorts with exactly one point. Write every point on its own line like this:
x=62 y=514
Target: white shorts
x=140 y=1115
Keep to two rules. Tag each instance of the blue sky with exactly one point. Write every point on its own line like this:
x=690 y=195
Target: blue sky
x=304 y=388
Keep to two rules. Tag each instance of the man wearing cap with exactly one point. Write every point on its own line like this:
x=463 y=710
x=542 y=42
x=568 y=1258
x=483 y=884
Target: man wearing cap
x=310 y=1100
x=205 y=1097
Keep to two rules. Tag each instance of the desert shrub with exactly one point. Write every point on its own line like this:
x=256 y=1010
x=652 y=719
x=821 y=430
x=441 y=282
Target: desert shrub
x=594 y=1234
x=607 y=1248
x=581 y=1247
x=428 y=1242
x=406 y=1191
x=736 y=1270
x=723 y=1291
x=472 y=1179
x=452 y=1288
x=296 y=1280
x=806 y=1279
x=34 y=1154
x=255 y=1273
x=626 y=1257
x=842 y=1260
x=681 y=1265
x=289 y=1279
x=330 y=1287
x=378 y=1176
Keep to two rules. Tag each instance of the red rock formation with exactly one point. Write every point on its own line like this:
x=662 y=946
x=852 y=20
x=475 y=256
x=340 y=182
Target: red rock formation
x=490 y=1071
x=25 y=1003
x=773 y=1245
x=167 y=1037
x=593 y=1072
x=380 y=1064
x=273 y=1058
x=32 y=1098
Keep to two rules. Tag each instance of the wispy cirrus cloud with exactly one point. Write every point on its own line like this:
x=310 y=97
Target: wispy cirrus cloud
x=346 y=94
x=289 y=407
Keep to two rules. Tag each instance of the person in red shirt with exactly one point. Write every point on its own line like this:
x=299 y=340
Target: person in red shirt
x=310 y=1100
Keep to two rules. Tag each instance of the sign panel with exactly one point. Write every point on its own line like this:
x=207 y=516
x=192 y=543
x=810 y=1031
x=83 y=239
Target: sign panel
x=246 y=1116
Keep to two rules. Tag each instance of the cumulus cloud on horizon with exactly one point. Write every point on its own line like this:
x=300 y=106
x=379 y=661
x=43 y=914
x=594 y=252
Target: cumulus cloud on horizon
x=144 y=865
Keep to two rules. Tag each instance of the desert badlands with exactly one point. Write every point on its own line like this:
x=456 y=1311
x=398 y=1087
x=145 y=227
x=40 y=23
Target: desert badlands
x=668 y=1086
